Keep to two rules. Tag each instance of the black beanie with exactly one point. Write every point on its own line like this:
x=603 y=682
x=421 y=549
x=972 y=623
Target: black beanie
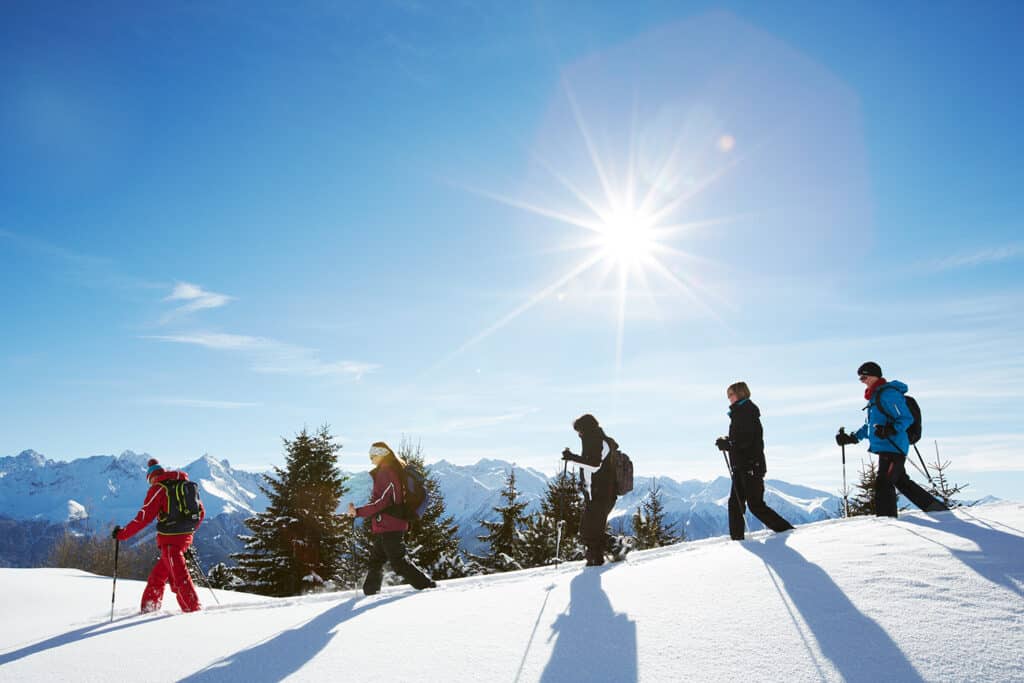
x=870 y=369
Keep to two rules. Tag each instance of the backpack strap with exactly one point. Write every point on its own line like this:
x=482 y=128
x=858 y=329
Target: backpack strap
x=876 y=398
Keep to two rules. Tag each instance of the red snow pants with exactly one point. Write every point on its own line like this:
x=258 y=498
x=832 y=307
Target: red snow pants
x=171 y=567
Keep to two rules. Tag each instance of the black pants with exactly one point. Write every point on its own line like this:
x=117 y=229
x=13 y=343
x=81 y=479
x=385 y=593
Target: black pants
x=390 y=547
x=748 y=491
x=892 y=475
x=593 y=524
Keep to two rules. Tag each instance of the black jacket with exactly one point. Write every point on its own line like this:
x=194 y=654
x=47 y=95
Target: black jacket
x=602 y=482
x=746 y=438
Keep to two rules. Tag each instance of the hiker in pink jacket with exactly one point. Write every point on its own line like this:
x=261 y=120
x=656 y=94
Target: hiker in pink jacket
x=385 y=511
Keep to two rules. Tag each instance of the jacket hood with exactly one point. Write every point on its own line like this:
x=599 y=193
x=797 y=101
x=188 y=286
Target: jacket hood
x=897 y=385
x=744 y=405
x=168 y=475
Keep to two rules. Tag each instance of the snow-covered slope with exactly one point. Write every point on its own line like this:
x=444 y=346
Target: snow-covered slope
x=922 y=598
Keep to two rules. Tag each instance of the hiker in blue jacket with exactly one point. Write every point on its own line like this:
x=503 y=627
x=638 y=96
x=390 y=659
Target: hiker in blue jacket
x=885 y=428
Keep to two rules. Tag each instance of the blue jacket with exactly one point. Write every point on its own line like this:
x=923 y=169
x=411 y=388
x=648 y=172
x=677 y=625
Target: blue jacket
x=891 y=396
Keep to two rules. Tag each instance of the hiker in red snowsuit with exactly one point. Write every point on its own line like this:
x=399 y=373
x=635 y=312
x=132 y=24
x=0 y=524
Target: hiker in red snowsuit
x=172 y=540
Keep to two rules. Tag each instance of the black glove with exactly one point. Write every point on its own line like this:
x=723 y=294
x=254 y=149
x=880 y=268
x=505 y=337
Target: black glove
x=883 y=431
x=842 y=438
x=723 y=443
x=566 y=453
x=115 y=532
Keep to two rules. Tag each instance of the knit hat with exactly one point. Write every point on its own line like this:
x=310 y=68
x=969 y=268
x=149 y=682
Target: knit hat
x=870 y=369
x=153 y=467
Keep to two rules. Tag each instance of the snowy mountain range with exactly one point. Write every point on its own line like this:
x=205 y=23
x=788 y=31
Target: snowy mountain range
x=39 y=497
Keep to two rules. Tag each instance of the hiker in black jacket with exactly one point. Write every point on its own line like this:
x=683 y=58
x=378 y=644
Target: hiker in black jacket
x=601 y=499
x=745 y=444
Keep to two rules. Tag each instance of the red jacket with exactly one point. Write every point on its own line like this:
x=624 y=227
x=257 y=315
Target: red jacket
x=156 y=502
x=387 y=491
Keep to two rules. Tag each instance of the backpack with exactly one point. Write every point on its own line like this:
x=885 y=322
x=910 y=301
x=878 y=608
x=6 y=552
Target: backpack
x=622 y=467
x=415 y=497
x=184 y=507
x=914 y=430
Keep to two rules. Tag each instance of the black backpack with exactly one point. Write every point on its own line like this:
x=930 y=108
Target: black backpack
x=184 y=507
x=914 y=430
x=622 y=467
x=415 y=497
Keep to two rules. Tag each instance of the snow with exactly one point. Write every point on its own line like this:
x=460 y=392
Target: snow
x=926 y=597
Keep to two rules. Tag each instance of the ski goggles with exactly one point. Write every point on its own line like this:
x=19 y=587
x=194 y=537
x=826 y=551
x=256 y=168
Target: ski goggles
x=378 y=452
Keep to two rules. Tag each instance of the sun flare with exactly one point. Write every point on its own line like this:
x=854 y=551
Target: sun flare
x=627 y=239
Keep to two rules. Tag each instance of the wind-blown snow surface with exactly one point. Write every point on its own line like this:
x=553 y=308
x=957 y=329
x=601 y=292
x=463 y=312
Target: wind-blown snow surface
x=934 y=598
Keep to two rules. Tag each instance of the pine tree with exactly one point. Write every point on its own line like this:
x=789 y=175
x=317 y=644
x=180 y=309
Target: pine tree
x=432 y=540
x=863 y=500
x=298 y=542
x=649 y=521
x=561 y=503
x=222 y=577
x=505 y=535
x=941 y=487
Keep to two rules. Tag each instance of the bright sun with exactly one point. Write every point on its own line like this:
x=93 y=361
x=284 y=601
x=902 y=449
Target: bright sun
x=627 y=238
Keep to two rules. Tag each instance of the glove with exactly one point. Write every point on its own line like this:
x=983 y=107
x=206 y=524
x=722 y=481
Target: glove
x=566 y=453
x=723 y=443
x=115 y=532
x=842 y=438
x=883 y=431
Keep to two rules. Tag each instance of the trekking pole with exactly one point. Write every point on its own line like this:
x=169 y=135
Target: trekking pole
x=113 y=591
x=846 y=494
x=561 y=512
x=926 y=472
x=199 y=570
x=728 y=466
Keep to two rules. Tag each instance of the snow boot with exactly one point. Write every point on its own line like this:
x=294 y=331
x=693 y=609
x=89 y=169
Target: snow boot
x=619 y=547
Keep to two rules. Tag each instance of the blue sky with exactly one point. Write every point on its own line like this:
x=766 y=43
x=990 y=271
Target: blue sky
x=470 y=223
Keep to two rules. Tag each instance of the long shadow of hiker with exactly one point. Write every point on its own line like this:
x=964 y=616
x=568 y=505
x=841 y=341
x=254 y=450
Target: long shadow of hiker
x=998 y=554
x=594 y=642
x=845 y=635
x=286 y=653
x=69 y=637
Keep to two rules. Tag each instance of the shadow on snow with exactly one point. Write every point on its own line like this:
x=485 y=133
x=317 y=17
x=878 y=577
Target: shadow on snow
x=846 y=636
x=286 y=653
x=595 y=643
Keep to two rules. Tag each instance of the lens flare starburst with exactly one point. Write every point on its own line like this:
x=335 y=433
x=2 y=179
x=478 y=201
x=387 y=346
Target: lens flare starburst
x=630 y=221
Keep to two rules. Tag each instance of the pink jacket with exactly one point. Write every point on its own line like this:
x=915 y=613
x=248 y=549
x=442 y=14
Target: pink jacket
x=387 y=491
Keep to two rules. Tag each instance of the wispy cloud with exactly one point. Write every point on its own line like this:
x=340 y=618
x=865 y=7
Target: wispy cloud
x=476 y=422
x=202 y=403
x=215 y=340
x=978 y=257
x=84 y=269
x=272 y=356
x=196 y=299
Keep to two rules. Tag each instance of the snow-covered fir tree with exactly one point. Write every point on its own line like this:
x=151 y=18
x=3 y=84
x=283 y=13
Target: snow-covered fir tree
x=505 y=534
x=563 y=503
x=298 y=543
x=222 y=577
x=941 y=487
x=432 y=540
x=863 y=500
x=649 y=526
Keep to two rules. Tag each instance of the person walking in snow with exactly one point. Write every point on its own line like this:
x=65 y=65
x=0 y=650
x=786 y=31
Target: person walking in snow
x=745 y=445
x=388 y=529
x=885 y=427
x=595 y=452
x=175 y=526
